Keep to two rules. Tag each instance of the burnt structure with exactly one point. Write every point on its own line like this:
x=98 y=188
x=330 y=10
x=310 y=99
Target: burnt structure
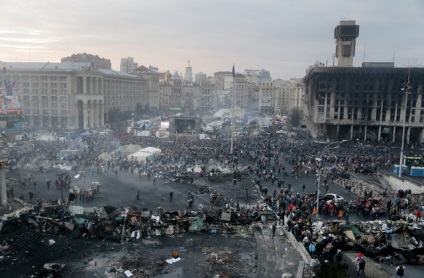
x=365 y=103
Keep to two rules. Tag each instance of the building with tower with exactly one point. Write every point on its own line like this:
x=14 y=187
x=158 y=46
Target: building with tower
x=363 y=103
x=345 y=34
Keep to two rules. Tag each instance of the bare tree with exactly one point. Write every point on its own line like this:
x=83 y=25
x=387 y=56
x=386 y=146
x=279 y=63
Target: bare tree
x=295 y=117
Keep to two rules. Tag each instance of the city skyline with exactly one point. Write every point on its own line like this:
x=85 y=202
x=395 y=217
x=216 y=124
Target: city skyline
x=283 y=37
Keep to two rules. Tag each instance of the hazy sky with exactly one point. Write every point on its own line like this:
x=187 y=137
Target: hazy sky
x=282 y=36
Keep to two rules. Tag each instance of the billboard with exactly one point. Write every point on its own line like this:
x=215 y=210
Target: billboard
x=164 y=125
x=162 y=133
x=141 y=133
x=10 y=105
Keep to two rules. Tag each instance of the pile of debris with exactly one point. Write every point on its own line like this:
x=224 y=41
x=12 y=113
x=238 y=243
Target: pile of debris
x=388 y=241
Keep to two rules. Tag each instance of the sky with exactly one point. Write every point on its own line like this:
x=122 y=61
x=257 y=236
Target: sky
x=284 y=37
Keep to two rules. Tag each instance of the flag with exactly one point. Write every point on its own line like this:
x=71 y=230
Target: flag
x=234 y=72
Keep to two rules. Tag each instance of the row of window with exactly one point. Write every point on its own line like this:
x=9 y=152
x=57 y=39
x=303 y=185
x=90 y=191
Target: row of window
x=45 y=112
x=37 y=78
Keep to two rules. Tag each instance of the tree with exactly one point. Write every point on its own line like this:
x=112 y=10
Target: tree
x=295 y=117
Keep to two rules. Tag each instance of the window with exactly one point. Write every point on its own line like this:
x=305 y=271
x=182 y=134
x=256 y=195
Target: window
x=53 y=85
x=54 y=92
x=64 y=112
x=53 y=78
x=63 y=85
x=54 y=98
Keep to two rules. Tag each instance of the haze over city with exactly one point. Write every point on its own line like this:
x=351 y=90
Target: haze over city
x=283 y=37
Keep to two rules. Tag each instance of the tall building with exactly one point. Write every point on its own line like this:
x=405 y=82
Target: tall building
x=257 y=76
x=199 y=77
x=188 y=76
x=97 y=62
x=128 y=65
x=345 y=34
x=296 y=95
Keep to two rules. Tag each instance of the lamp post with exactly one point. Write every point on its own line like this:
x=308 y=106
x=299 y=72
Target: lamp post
x=407 y=90
x=319 y=171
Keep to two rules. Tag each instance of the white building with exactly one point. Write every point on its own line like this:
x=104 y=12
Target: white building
x=128 y=65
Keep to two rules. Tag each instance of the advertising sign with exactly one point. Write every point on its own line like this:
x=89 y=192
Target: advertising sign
x=142 y=133
x=162 y=133
x=9 y=105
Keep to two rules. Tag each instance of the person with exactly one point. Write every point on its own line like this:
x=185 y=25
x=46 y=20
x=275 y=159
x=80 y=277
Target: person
x=31 y=195
x=274 y=228
x=48 y=183
x=190 y=201
x=138 y=195
x=303 y=187
x=34 y=183
x=154 y=180
x=400 y=271
x=171 y=194
x=339 y=256
x=361 y=266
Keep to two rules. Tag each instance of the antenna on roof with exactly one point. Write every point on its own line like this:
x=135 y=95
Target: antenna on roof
x=363 y=59
x=394 y=53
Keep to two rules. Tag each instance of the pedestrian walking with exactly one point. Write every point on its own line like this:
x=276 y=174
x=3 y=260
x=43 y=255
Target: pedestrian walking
x=48 y=183
x=303 y=187
x=400 y=271
x=190 y=201
x=31 y=195
x=138 y=195
x=34 y=183
x=154 y=180
x=274 y=228
x=361 y=266
x=171 y=194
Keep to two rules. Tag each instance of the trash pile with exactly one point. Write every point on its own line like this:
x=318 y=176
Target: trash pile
x=390 y=242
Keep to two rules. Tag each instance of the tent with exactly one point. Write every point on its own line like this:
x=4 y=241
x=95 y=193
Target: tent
x=86 y=133
x=151 y=150
x=140 y=156
x=127 y=149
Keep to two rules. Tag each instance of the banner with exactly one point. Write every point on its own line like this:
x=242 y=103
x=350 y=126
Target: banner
x=162 y=133
x=10 y=105
x=142 y=133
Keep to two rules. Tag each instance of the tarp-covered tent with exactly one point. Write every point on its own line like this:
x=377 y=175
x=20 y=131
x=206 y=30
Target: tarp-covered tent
x=127 y=149
x=105 y=156
x=151 y=150
x=140 y=156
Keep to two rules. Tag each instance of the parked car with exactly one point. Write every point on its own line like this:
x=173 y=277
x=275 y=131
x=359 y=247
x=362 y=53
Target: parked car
x=332 y=198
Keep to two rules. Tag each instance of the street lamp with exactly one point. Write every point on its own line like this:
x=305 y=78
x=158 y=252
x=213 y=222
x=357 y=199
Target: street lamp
x=407 y=90
x=319 y=171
